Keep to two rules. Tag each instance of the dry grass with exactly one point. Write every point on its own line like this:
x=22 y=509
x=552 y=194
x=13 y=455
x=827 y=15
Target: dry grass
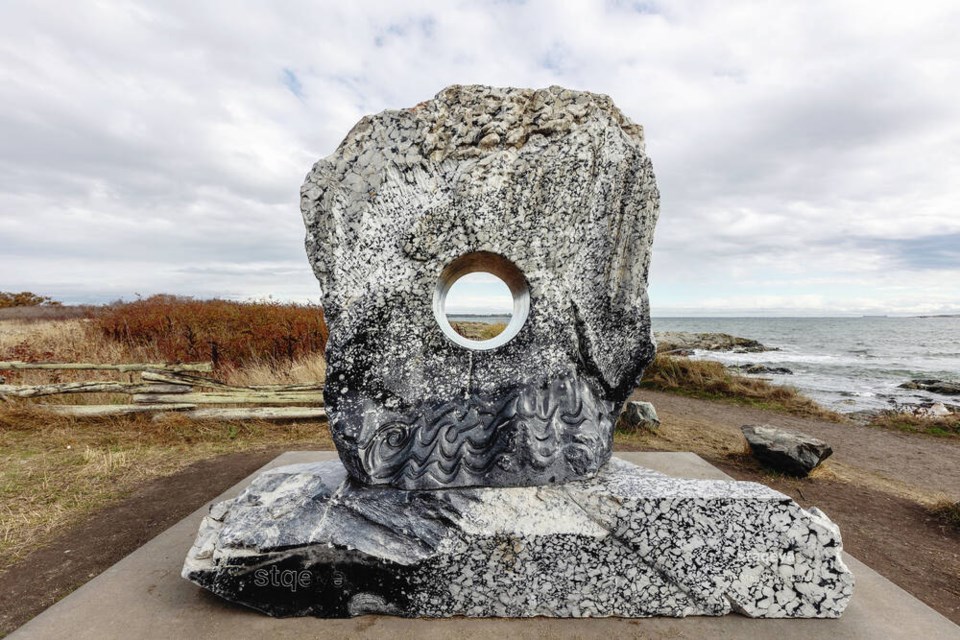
x=66 y=341
x=225 y=332
x=28 y=314
x=73 y=341
x=947 y=512
x=478 y=330
x=711 y=380
x=307 y=369
x=55 y=469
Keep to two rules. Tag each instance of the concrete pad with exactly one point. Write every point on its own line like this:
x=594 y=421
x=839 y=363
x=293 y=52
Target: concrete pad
x=143 y=596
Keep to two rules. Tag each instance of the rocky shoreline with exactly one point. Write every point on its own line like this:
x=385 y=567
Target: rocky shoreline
x=944 y=387
x=681 y=343
x=685 y=343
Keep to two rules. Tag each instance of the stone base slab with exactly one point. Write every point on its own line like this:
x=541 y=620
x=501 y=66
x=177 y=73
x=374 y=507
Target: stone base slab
x=630 y=542
x=143 y=596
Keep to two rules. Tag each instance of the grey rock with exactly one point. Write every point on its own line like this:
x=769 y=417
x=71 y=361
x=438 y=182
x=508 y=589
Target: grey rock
x=935 y=410
x=760 y=369
x=793 y=453
x=638 y=416
x=308 y=540
x=549 y=189
x=936 y=386
x=678 y=342
x=931 y=410
x=864 y=416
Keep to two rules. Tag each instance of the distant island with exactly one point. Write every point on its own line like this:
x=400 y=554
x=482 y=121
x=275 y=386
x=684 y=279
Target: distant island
x=941 y=315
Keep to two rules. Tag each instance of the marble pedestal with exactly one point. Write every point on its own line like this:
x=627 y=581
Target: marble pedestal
x=306 y=540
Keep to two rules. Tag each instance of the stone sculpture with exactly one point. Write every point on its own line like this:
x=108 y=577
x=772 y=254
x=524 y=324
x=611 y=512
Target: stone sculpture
x=475 y=477
x=551 y=191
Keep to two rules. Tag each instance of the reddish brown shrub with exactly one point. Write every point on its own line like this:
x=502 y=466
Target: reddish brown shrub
x=9 y=299
x=226 y=332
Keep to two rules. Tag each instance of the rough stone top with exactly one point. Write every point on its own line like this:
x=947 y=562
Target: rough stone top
x=467 y=120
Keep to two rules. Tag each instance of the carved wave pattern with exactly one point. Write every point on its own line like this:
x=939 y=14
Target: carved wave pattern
x=551 y=431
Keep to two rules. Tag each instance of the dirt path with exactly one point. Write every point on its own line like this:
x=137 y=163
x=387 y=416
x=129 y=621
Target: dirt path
x=85 y=550
x=909 y=464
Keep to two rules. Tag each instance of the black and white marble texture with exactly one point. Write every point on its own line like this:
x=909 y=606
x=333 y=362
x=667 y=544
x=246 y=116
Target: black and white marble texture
x=557 y=183
x=308 y=540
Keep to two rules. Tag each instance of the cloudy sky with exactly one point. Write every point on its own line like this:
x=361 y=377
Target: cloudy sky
x=808 y=153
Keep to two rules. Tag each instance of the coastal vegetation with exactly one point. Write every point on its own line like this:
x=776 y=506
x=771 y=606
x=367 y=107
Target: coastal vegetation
x=54 y=469
x=10 y=299
x=942 y=426
x=713 y=381
x=478 y=330
x=948 y=512
x=227 y=333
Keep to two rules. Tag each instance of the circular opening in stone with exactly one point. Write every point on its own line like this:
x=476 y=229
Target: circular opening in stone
x=481 y=300
x=479 y=306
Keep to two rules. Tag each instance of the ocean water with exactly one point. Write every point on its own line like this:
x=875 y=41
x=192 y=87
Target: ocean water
x=846 y=364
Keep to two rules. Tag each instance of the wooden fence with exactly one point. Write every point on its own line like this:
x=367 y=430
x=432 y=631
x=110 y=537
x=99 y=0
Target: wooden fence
x=174 y=387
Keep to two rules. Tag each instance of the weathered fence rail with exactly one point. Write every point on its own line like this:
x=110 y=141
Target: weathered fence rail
x=232 y=397
x=199 y=381
x=33 y=391
x=89 y=366
x=164 y=388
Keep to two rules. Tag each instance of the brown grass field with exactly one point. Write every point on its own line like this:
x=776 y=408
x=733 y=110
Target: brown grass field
x=56 y=469
x=478 y=330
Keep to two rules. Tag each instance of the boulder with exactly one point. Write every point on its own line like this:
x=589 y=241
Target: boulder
x=638 y=416
x=936 y=386
x=932 y=410
x=550 y=190
x=758 y=369
x=791 y=453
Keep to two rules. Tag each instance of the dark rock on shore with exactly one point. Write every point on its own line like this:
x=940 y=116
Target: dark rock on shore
x=755 y=369
x=683 y=342
x=793 y=453
x=936 y=386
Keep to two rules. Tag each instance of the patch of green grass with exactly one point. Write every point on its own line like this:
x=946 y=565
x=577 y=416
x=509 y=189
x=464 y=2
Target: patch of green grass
x=478 y=330
x=945 y=427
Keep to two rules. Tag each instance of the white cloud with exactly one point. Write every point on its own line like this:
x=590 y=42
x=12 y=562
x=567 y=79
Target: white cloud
x=808 y=153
